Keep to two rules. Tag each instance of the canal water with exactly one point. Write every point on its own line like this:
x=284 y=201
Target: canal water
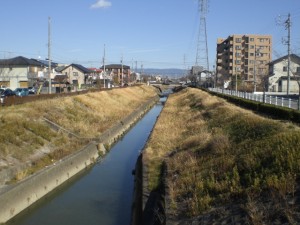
x=103 y=194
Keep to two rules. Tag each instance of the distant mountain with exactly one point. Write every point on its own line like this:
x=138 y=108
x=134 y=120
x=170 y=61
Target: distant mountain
x=172 y=72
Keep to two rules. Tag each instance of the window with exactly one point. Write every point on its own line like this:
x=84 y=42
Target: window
x=251 y=46
x=260 y=70
x=251 y=61
x=238 y=54
x=237 y=61
x=251 y=39
x=75 y=74
x=284 y=69
x=258 y=54
x=238 y=40
x=298 y=69
x=251 y=54
x=238 y=47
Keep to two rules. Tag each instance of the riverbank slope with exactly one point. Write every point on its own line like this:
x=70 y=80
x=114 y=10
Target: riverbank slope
x=214 y=163
x=38 y=134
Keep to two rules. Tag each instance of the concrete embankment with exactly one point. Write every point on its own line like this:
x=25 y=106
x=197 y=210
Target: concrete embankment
x=23 y=194
x=148 y=208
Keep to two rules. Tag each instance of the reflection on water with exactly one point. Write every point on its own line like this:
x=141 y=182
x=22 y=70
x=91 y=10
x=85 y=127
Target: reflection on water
x=101 y=195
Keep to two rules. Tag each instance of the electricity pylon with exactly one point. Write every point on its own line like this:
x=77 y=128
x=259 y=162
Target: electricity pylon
x=202 y=49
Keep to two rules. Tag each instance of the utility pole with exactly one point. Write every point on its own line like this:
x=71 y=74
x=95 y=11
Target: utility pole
x=142 y=69
x=288 y=27
x=184 y=69
x=49 y=53
x=254 y=72
x=122 y=71
x=136 y=66
x=104 y=72
x=256 y=53
x=287 y=24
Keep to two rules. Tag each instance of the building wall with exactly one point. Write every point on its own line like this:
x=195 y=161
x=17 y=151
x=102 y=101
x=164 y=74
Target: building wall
x=244 y=55
x=282 y=86
x=278 y=82
x=19 y=76
x=74 y=75
x=117 y=73
x=13 y=76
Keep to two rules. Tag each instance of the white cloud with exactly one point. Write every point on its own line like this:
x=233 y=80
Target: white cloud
x=101 y=4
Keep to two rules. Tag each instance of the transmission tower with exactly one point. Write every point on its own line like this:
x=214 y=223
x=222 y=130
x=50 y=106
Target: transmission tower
x=202 y=49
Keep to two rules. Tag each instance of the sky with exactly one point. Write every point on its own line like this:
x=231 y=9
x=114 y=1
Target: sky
x=140 y=33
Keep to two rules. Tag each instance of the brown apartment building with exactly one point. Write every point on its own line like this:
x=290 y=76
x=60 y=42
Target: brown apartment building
x=243 y=60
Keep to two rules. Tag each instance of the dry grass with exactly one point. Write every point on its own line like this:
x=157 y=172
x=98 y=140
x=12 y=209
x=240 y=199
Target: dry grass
x=25 y=136
x=217 y=153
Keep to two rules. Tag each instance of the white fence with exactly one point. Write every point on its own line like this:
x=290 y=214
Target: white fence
x=261 y=97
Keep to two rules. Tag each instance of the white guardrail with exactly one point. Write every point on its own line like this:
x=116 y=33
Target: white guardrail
x=261 y=97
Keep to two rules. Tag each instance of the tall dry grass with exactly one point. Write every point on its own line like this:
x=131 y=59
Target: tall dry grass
x=25 y=136
x=217 y=153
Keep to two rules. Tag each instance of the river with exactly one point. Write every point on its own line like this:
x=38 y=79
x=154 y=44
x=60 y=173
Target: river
x=102 y=194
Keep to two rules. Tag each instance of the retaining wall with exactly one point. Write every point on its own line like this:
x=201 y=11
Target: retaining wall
x=35 y=187
x=28 y=191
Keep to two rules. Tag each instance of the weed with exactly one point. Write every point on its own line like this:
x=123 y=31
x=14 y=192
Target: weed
x=87 y=115
x=218 y=153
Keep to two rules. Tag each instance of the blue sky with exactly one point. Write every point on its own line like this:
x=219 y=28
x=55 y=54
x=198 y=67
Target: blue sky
x=153 y=33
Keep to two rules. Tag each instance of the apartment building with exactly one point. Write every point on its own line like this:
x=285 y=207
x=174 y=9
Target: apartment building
x=243 y=59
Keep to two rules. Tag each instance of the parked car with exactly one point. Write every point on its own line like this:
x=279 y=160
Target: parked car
x=21 y=91
x=32 y=90
x=6 y=93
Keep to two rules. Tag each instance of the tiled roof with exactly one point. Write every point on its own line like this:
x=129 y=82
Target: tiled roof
x=293 y=57
x=81 y=68
x=115 y=66
x=19 y=61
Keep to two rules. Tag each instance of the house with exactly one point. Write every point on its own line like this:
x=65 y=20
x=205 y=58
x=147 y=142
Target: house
x=96 y=74
x=19 y=72
x=278 y=74
x=120 y=74
x=77 y=74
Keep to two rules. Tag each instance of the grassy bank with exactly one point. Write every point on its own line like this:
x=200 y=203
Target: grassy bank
x=218 y=155
x=25 y=138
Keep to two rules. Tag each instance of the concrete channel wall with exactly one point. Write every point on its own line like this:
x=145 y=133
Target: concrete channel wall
x=25 y=193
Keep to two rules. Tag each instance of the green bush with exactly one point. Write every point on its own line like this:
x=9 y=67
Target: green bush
x=271 y=110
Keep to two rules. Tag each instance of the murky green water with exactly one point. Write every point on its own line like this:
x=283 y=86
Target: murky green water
x=101 y=195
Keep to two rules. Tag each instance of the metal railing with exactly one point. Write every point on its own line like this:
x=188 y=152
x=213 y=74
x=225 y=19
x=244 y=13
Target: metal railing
x=261 y=97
